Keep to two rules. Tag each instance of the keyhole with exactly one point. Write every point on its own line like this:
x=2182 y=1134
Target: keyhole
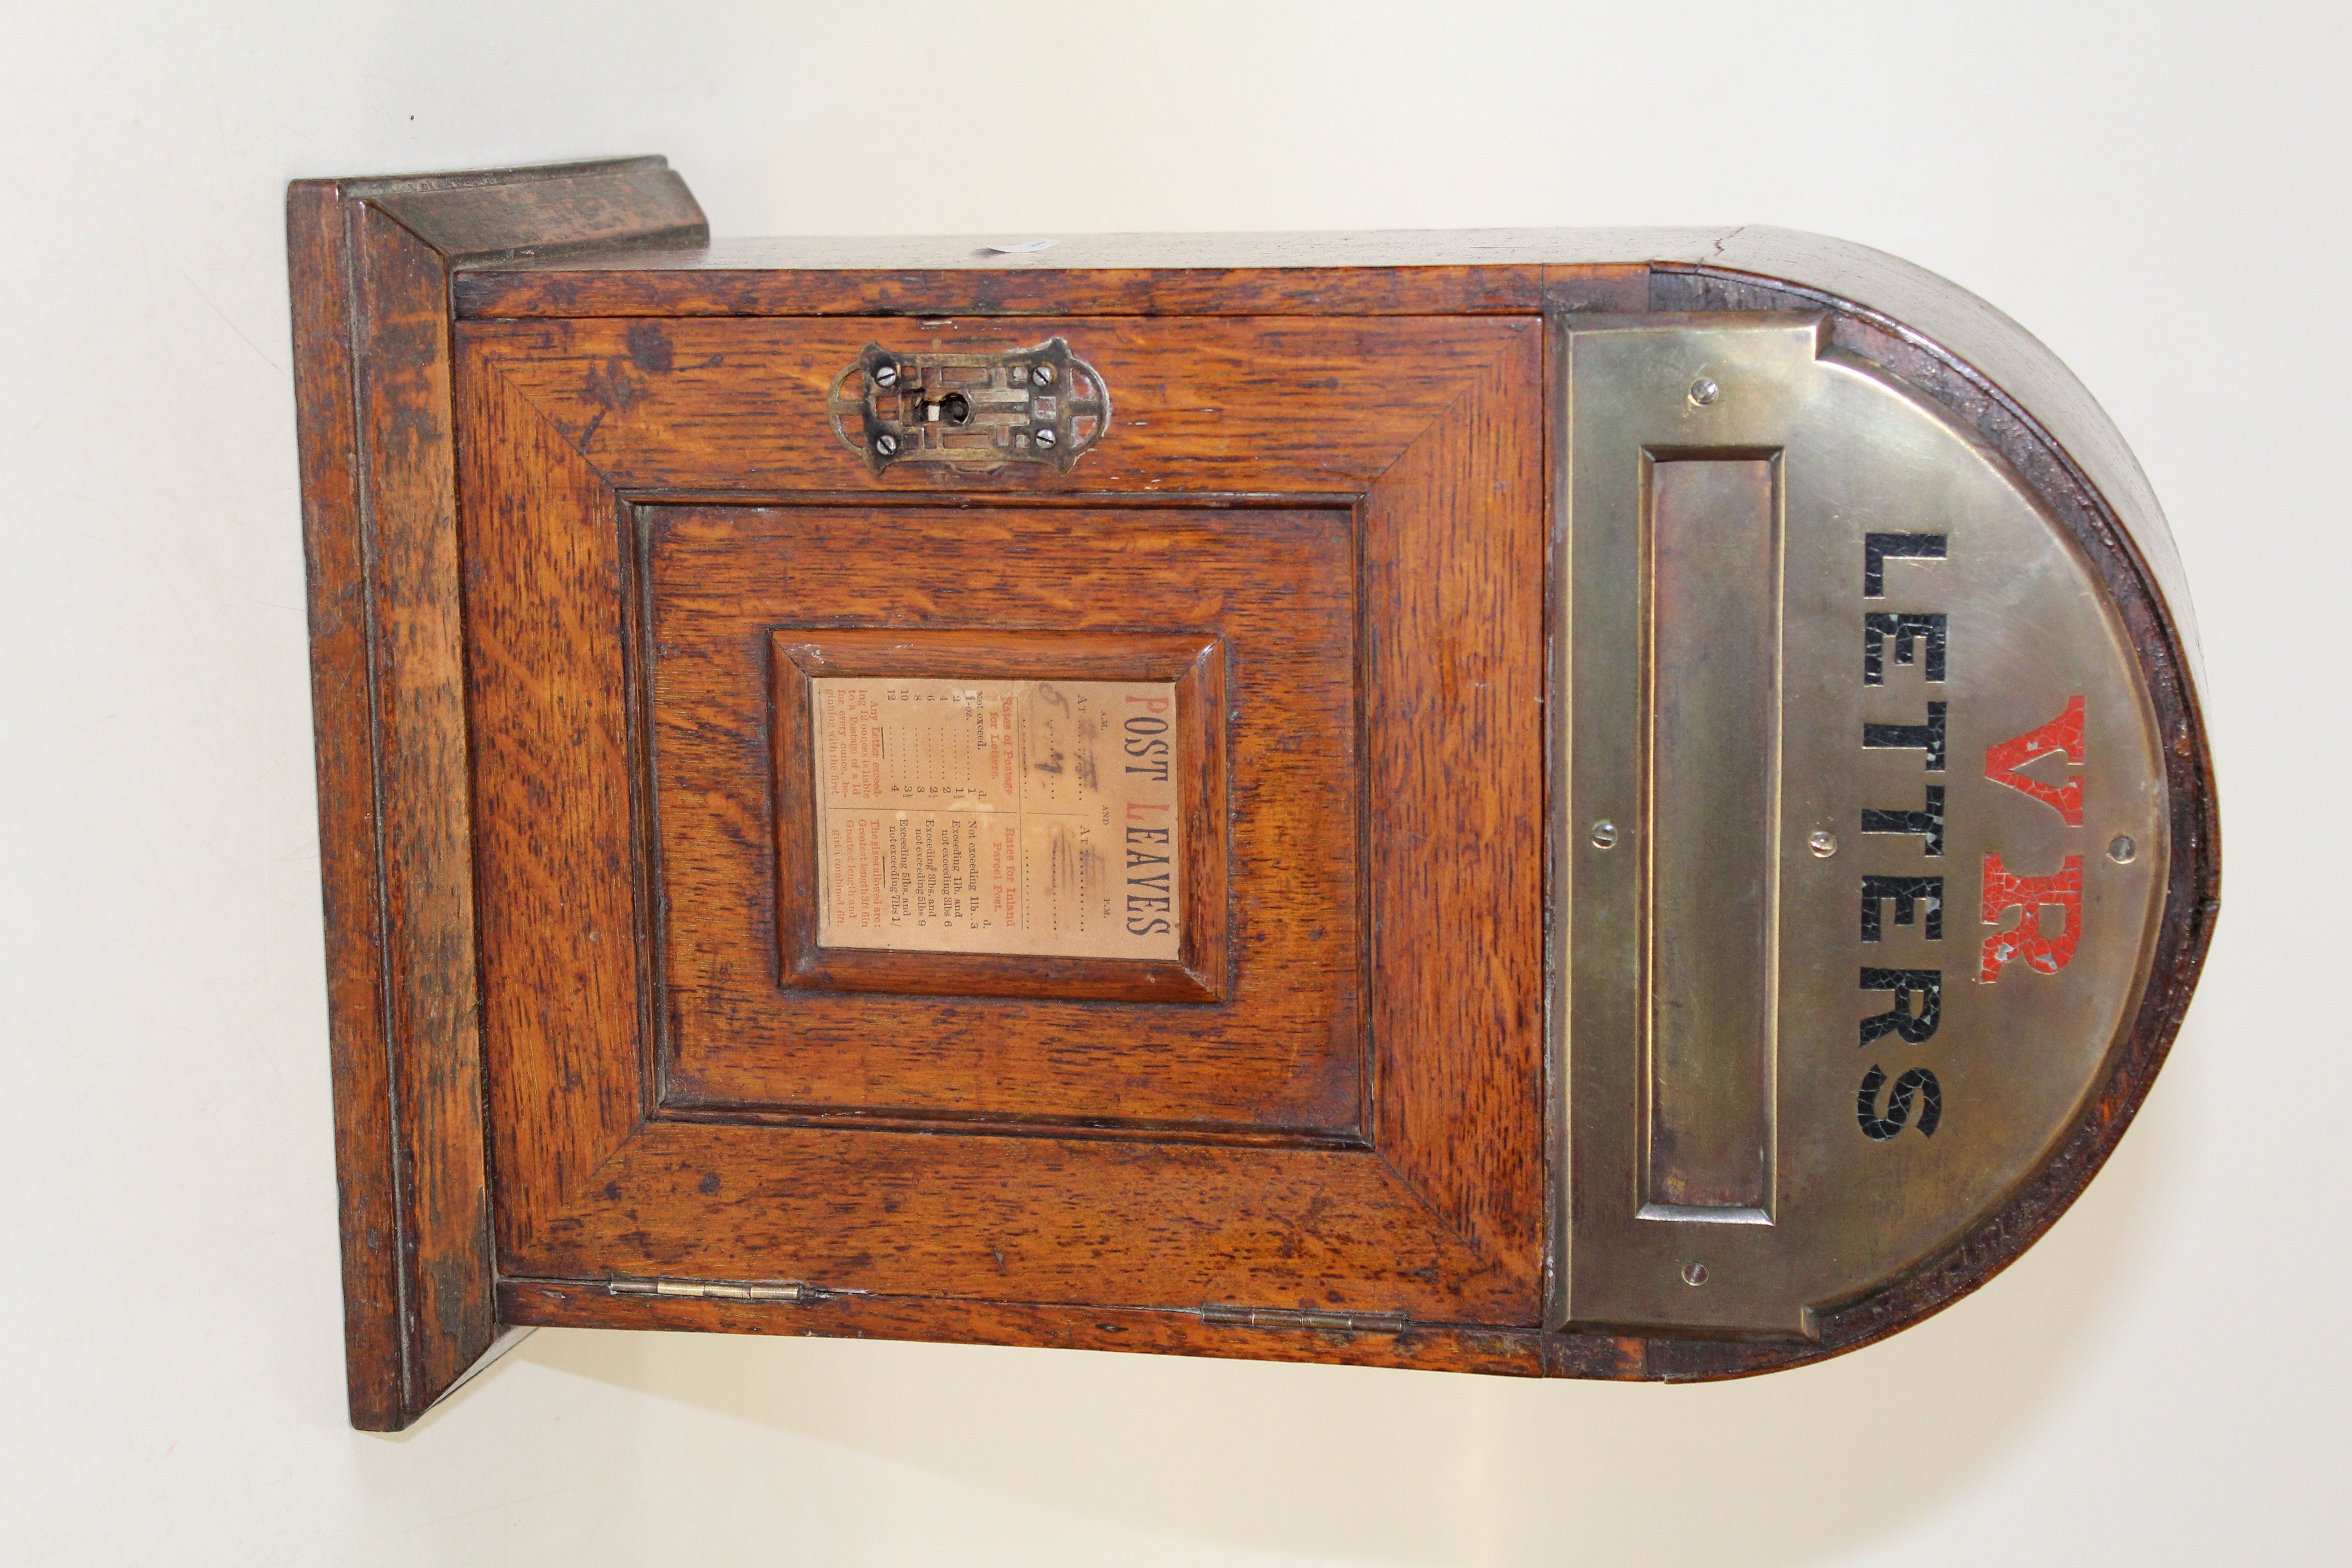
x=955 y=409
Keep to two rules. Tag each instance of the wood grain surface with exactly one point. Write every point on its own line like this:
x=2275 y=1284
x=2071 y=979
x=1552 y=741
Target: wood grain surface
x=566 y=210
x=954 y=293
x=1044 y=1140
x=389 y=696
x=1216 y=407
x=1276 y=587
x=373 y=1325
x=981 y=1214
x=1113 y=275
x=1455 y=734
x=586 y=1303
x=376 y=411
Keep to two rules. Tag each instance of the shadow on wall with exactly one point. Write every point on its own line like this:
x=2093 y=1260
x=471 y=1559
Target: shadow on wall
x=1428 y=1467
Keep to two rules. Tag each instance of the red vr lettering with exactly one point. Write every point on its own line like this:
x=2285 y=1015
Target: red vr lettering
x=2064 y=733
x=2005 y=890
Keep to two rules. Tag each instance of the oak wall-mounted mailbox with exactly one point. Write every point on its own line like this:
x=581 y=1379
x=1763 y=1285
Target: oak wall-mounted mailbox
x=1612 y=804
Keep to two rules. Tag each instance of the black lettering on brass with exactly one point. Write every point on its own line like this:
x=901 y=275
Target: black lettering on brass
x=1928 y=824
x=1908 y=632
x=1927 y=984
x=1922 y=989
x=1927 y=737
x=1908 y=893
x=1877 y=548
x=1917 y=1083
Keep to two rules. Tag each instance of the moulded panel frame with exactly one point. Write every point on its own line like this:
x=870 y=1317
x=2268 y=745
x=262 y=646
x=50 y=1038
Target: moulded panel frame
x=725 y=1048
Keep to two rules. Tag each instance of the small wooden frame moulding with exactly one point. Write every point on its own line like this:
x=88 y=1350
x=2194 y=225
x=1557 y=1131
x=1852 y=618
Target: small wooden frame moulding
x=1194 y=663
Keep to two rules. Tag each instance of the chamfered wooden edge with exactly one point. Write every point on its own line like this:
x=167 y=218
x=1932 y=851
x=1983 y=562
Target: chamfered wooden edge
x=368 y=263
x=590 y=1303
x=1193 y=662
x=2111 y=535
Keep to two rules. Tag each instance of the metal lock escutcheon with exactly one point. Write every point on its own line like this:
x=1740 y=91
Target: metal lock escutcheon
x=969 y=411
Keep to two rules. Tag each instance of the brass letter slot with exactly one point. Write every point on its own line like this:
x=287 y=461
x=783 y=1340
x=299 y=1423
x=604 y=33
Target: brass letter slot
x=1713 y=571
x=1795 y=1068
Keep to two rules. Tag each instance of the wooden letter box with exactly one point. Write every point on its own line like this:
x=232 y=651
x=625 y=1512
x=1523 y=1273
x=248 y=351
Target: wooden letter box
x=1593 y=804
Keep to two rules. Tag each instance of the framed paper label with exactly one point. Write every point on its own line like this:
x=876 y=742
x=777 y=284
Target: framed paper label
x=997 y=817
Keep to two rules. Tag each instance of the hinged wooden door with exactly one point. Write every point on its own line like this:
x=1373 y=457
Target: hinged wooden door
x=1343 y=519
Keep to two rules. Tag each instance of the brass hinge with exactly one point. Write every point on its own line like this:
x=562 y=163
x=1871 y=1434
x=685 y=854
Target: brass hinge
x=1290 y=1318
x=719 y=1289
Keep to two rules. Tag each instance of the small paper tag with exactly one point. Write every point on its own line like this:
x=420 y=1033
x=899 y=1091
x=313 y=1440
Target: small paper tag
x=1012 y=816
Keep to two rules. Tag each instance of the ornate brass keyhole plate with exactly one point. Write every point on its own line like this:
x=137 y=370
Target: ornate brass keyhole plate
x=1043 y=404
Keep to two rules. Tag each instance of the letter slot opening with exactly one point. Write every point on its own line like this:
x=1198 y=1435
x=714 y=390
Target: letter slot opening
x=1711 y=576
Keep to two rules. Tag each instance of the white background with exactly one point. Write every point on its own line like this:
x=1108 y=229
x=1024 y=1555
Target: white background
x=2159 y=190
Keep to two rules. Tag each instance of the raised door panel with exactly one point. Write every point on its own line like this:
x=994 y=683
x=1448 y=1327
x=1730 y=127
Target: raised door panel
x=1273 y=591
x=1345 y=1113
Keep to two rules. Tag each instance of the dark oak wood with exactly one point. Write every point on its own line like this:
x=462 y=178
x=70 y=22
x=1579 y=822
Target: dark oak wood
x=1327 y=456
x=1222 y=408
x=1376 y=1201
x=318 y=245
x=1196 y=666
x=391 y=785
x=1276 y=585
x=371 y=333
x=555 y=211
x=585 y=1303
x=1393 y=274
